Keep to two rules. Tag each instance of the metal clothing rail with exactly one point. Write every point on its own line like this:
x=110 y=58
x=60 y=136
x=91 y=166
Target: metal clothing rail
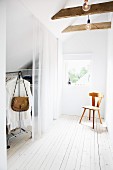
x=26 y=74
x=20 y=71
x=13 y=72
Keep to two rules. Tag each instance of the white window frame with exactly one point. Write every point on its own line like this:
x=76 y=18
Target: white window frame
x=87 y=56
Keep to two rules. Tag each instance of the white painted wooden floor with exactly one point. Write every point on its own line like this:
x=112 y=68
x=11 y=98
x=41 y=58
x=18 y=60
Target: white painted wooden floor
x=67 y=146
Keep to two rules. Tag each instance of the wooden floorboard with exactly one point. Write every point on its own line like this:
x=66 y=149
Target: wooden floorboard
x=67 y=146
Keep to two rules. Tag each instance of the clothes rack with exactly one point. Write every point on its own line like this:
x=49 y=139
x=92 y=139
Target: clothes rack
x=19 y=75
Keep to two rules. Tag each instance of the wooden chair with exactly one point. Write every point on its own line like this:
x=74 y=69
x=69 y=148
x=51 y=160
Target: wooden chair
x=95 y=106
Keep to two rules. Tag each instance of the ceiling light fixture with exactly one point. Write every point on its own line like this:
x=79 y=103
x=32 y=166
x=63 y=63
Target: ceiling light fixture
x=86 y=6
x=88 y=25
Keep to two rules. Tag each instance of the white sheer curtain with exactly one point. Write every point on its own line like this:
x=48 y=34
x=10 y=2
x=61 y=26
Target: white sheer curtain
x=46 y=56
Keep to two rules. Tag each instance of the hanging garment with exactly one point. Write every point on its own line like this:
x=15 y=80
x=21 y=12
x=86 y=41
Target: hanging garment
x=12 y=116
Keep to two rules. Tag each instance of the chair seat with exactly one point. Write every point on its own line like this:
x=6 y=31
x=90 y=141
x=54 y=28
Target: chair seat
x=91 y=107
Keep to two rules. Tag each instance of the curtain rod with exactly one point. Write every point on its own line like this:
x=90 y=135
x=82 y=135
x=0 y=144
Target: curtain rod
x=20 y=71
x=13 y=72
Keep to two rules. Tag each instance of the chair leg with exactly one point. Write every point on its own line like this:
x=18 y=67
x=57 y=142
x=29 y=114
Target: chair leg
x=99 y=116
x=89 y=114
x=82 y=115
x=93 y=118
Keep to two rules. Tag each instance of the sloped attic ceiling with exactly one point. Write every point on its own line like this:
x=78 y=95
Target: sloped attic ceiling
x=20 y=30
x=44 y=10
x=19 y=36
x=20 y=26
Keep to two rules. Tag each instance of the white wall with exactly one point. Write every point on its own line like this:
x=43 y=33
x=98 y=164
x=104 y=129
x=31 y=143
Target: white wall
x=109 y=96
x=73 y=95
x=86 y=42
x=3 y=158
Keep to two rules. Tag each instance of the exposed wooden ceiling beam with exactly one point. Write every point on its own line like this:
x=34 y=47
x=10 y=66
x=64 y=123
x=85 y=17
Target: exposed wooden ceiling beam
x=94 y=26
x=77 y=11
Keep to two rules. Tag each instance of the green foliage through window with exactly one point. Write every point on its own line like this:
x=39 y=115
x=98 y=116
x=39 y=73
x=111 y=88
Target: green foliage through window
x=75 y=76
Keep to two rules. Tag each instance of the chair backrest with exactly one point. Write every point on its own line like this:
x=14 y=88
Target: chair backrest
x=95 y=95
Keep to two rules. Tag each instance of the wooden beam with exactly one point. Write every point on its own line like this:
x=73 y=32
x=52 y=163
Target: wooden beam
x=94 y=26
x=77 y=11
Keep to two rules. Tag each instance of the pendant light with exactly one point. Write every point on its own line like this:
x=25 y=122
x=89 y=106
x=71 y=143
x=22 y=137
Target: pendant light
x=88 y=25
x=86 y=6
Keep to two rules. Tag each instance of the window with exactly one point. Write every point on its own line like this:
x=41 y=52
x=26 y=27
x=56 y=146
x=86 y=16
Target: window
x=77 y=72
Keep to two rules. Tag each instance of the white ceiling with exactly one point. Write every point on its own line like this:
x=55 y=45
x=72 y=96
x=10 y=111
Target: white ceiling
x=19 y=35
x=20 y=26
x=44 y=10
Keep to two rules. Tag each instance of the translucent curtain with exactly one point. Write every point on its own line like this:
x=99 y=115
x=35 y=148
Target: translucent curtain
x=49 y=79
x=3 y=156
x=36 y=127
x=45 y=70
x=60 y=79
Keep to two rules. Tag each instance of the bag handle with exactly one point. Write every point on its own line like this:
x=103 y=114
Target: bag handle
x=20 y=75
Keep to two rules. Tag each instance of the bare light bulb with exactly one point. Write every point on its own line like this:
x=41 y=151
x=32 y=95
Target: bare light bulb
x=88 y=25
x=86 y=6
